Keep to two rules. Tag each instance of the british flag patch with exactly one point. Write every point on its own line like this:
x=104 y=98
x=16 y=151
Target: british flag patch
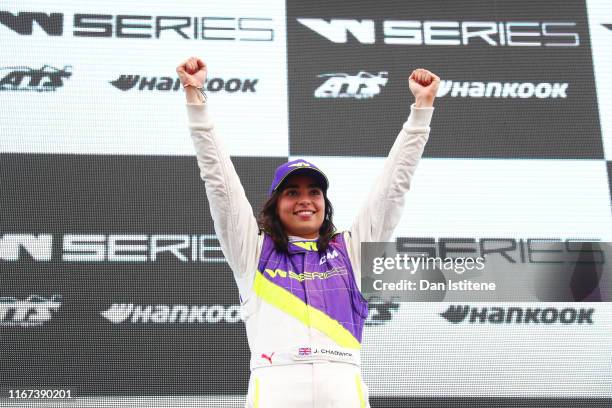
x=304 y=351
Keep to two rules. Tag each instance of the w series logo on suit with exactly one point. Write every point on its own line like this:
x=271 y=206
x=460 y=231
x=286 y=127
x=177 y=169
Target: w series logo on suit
x=306 y=276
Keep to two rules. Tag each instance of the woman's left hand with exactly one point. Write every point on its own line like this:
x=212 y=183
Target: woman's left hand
x=424 y=86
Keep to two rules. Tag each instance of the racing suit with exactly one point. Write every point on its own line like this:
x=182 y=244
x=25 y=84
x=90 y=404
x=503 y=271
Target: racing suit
x=303 y=309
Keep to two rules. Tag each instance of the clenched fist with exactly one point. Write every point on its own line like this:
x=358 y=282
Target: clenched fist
x=192 y=72
x=424 y=86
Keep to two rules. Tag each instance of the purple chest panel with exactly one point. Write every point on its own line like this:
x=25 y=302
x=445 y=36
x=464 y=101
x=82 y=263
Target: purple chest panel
x=323 y=280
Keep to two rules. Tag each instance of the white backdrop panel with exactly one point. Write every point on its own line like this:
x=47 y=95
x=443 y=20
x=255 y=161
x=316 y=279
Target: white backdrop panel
x=484 y=198
x=419 y=353
x=88 y=115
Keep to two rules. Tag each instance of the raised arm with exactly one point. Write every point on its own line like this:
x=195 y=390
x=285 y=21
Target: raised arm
x=235 y=224
x=384 y=205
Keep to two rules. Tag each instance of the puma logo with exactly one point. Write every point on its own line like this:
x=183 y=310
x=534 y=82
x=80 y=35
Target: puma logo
x=269 y=358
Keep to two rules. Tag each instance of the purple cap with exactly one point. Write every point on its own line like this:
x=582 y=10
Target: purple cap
x=297 y=167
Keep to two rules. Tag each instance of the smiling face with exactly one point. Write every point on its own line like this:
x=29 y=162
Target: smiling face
x=301 y=207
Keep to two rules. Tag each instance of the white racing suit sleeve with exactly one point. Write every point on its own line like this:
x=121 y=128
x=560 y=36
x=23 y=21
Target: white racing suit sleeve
x=384 y=205
x=232 y=214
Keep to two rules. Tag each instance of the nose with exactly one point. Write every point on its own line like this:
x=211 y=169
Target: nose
x=304 y=199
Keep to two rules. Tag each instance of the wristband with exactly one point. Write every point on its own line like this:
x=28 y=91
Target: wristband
x=199 y=89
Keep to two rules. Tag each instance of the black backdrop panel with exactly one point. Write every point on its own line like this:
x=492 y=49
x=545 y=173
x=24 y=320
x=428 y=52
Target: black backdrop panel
x=556 y=117
x=146 y=351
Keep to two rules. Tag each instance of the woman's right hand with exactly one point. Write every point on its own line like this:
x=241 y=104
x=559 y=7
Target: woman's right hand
x=192 y=72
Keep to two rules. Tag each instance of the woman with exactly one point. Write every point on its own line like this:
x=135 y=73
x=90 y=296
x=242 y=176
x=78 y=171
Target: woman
x=299 y=280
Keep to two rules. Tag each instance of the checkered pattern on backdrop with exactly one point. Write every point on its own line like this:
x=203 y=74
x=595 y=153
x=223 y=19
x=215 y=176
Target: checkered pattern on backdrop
x=96 y=161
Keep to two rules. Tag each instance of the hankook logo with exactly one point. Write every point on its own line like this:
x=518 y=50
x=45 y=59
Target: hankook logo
x=380 y=312
x=154 y=83
x=119 y=313
x=228 y=28
x=363 y=85
x=499 y=315
x=459 y=33
x=522 y=90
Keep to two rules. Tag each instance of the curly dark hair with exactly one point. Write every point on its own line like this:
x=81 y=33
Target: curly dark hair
x=270 y=223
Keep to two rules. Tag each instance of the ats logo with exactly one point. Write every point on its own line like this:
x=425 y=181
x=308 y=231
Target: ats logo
x=33 y=311
x=24 y=78
x=363 y=85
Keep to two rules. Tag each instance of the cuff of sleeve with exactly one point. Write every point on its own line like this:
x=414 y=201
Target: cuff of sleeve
x=419 y=117
x=198 y=113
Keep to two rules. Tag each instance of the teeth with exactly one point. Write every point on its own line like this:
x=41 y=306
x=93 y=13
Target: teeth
x=305 y=212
